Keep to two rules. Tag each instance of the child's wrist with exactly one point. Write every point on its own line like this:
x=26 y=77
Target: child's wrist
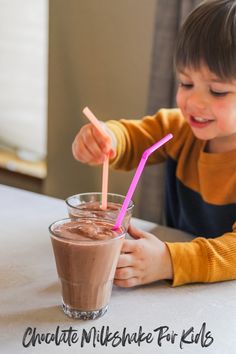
x=167 y=264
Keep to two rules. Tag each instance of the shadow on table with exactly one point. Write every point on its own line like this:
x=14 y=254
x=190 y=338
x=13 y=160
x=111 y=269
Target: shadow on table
x=33 y=317
x=163 y=232
x=50 y=289
x=171 y=235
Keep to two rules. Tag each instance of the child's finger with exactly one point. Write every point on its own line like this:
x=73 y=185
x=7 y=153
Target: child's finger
x=92 y=147
x=79 y=151
x=124 y=273
x=126 y=283
x=128 y=246
x=82 y=153
x=136 y=233
x=125 y=260
x=85 y=147
x=102 y=140
x=112 y=154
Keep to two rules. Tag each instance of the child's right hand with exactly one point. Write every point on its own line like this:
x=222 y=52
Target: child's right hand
x=90 y=146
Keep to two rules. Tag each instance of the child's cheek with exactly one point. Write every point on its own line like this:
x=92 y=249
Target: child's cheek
x=220 y=106
x=221 y=110
x=179 y=99
x=223 y=113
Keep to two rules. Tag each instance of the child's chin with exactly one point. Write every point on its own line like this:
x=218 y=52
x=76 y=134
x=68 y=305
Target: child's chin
x=201 y=135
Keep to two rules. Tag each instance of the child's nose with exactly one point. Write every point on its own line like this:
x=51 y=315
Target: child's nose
x=197 y=100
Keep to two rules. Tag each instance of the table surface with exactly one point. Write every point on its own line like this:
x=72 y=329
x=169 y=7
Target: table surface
x=198 y=318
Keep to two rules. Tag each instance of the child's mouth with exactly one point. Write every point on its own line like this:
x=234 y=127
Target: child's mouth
x=199 y=122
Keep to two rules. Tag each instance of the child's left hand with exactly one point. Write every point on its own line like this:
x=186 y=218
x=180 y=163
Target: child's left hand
x=143 y=260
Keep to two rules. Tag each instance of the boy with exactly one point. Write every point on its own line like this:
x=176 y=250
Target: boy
x=200 y=159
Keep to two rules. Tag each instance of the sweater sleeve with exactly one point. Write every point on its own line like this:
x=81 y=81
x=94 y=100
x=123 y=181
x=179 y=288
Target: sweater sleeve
x=135 y=136
x=204 y=260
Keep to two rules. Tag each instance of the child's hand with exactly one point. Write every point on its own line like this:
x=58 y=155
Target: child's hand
x=91 y=147
x=143 y=260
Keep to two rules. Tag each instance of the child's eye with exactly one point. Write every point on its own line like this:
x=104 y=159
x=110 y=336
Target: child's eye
x=186 y=86
x=218 y=94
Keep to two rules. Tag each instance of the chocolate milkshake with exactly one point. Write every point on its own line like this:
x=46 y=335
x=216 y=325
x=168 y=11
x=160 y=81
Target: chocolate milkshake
x=90 y=205
x=86 y=251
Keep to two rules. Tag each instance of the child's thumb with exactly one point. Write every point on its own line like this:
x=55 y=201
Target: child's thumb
x=135 y=233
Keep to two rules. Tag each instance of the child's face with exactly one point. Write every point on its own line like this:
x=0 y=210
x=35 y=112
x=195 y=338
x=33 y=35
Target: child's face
x=209 y=105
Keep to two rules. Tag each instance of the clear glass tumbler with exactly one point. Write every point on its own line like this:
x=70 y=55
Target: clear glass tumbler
x=86 y=252
x=89 y=204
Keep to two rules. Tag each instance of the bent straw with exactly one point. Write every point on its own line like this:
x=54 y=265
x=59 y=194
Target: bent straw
x=105 y=169
x=136 y=177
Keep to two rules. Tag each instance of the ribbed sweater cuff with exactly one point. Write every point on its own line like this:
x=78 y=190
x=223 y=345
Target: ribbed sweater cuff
x=189 y=261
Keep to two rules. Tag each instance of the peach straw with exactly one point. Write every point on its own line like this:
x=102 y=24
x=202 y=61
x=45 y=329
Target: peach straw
x=136 y=177
x=105 y=169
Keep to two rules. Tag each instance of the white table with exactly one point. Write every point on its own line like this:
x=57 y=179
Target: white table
x=30 y=294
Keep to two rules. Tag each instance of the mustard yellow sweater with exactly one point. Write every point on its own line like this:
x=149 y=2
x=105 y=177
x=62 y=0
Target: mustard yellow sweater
x=200 y=193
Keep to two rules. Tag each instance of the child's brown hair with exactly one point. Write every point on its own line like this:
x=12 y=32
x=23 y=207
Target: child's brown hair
x=208 y=36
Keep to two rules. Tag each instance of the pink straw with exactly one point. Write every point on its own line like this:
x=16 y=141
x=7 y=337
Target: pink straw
x=105 y=169
x=136 y=177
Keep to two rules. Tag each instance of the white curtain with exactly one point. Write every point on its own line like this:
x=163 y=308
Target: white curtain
x=23 y=76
